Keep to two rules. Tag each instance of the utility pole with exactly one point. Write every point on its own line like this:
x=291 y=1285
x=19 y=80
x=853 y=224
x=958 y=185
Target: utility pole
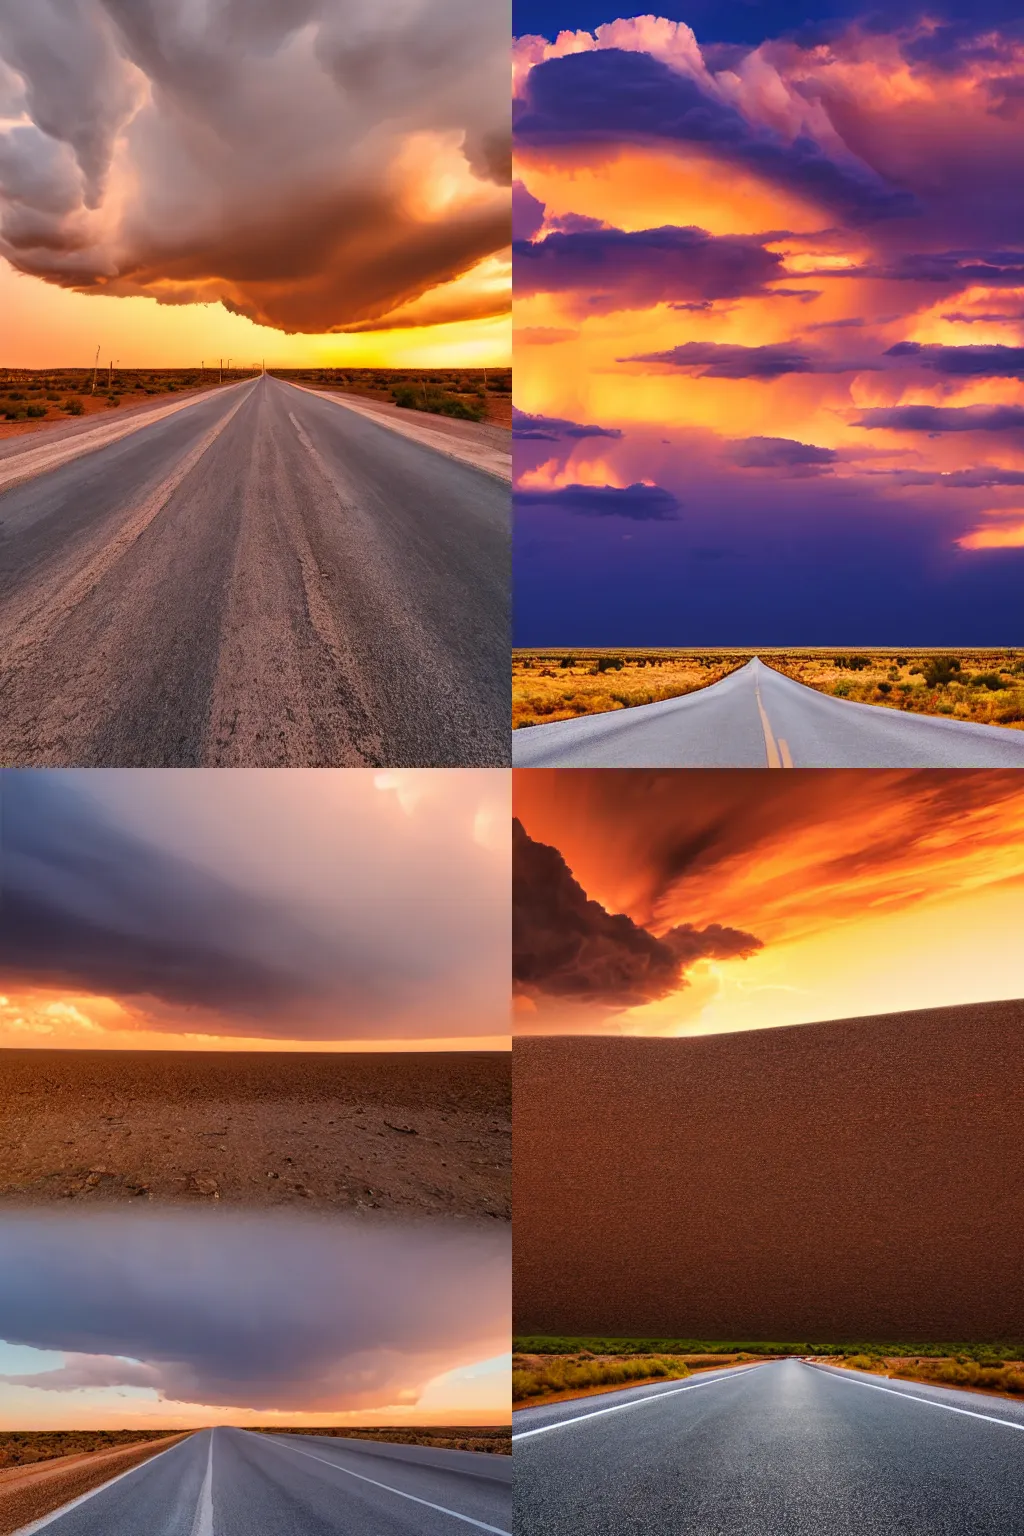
x=222 y=370
x=110 y=374
x=95 y=369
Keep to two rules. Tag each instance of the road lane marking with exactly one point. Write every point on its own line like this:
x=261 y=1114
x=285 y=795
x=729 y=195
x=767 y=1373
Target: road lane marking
x=38 y=461
x=787 y=761
x=774 y=760
x=655 y=1397
x=202 y=1525
x=65 y=1509
x=441 y=1508
x=28 y=620
x=929 y=1402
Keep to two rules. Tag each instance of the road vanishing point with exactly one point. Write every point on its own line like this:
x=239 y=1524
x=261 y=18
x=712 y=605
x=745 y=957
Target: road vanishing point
x=778 y=1449
x=258 y=575
x=758 y=718
x=233 y=1482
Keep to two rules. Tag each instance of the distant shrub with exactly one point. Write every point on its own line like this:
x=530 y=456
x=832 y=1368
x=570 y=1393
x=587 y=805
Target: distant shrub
x=567 y=661
x=52 y=396
x=610 y=663
x=990 y=680
x=885 y=688
x=74 y=407
x=35 y=410
x=940 y=671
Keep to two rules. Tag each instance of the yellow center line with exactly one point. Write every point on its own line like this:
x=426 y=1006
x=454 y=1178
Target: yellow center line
x=787 y=761
x=774 y=760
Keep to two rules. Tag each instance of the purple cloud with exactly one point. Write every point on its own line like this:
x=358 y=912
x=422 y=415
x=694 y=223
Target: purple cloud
x=642 y=503
x=611 y=95
x=938 y=418
x=723 y=360
x=619 y=269
x=994 y=361
x=780 y=453
x=551 y=428
x=527 y=212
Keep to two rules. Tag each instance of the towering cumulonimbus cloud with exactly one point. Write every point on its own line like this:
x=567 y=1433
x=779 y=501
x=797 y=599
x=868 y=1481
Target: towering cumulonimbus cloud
x=566 y=946
x=314 y=165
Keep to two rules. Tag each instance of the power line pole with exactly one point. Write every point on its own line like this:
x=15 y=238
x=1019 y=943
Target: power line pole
x=95 y=369
x=222 y=370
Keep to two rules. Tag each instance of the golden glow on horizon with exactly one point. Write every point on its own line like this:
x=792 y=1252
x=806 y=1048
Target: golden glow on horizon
x=50 y=327
x=50 y=1020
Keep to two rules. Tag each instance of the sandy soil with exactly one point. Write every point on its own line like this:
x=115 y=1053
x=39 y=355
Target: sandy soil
x=28 y=1493
x=850 y=1180
x=416 y=1134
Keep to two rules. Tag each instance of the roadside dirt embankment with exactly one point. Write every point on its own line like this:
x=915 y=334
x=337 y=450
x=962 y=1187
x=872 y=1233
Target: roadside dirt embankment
x=30 y=1492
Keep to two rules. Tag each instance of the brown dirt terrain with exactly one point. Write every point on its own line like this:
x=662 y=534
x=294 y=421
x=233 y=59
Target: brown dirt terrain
x=415 y=1134
x=493 y=1439
x=28 y=1492
x=857 y=1179
x=133 y=390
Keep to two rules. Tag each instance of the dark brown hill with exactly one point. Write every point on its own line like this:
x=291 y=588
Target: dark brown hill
x=856 y=1180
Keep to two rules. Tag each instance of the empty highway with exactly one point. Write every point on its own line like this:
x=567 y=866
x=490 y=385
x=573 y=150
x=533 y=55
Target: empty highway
x=256 y=576
x=232 y=1482
x=781 y=1449
x=757 y=718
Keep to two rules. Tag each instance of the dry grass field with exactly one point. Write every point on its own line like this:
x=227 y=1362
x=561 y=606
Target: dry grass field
x=559 y=685
x=984 y=686
x=989 y=1373
x=467 y=394
x=31 y=399
x=22 y=1448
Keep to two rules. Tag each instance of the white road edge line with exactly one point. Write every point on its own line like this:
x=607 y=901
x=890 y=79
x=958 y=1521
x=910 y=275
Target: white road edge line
x=58 y=1514
x=202 y=1525
x=637 y=1402
x=387 y=1486
x=929 y=1402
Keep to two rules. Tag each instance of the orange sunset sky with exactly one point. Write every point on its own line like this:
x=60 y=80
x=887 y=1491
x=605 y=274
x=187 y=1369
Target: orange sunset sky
x=843 y=893
x=327 y=186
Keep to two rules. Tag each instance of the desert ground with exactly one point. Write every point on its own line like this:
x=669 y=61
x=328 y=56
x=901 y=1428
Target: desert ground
x=68 y=1465
x=984 y=686
x=852 y=1180
x=467 y=394
x=31 y=401
x=413 y=1134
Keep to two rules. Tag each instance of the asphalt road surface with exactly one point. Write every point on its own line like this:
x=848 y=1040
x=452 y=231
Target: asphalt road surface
x=783 y=1449
x=257 y=577
x=757 y=718
x=232 y=1482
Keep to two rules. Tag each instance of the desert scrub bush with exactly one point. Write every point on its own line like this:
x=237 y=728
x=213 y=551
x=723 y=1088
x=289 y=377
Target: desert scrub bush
x=437 y=401
x=35 y=410
x=564 y=685
x=74 y=407
x=963 y=1372
x=539 y=1376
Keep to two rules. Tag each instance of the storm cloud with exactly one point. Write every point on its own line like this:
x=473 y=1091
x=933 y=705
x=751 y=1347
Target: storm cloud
x=271 y=1313
x=642 y=503
x=614 y=96
x=279 y=158
x=567 y=946
x=942 y=418
x=301 y=906
x=633 y=269
x=552 y=428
